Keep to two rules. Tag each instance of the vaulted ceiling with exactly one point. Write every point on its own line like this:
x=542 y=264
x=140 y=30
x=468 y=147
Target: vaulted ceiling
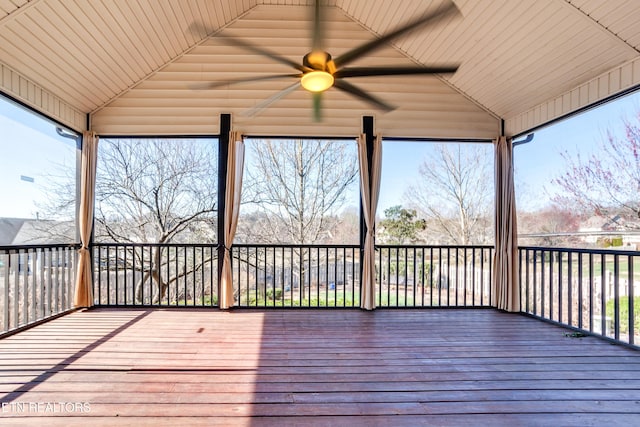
x=136 y=67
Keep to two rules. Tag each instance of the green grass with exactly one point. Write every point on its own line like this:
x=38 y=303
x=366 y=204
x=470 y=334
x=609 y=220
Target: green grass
x=624 y=313
x=332 y=301
x=623 y=266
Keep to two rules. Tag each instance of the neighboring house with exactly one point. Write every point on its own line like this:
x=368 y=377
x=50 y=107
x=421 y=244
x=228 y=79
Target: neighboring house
x=9 y=228
x=597 y=228
x=22 y=231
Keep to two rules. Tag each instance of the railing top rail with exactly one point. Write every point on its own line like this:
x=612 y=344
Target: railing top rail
x=15 y=248
x=581 y=250
x=436 y=246
x=239 y=245
x=154 y=245
x=285 y=246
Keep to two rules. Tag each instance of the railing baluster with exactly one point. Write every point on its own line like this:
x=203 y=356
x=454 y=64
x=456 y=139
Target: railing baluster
x=439 y=277
x=489 y=260
x=631 y=311
x=282 y=289
x=16 y=284
x=34 y=292
x=143 y=273
x=414 y=282
x=6 y=309
x=291 y=275
x=591 y=292
x=397 y=280
x=616 y=296
x=527 y=264
x=25 y=288
x=580 y=293
x=448 y=277
x=355 y=301
x=43 y=293
x=482 y=276
x=117 y=273
x=603 y=293
x=542 y=281
x=464 y=280
x=422 y=277
x=193 y=276
x=535 y=281
x=456 y=275
x=317 y=277
x=202 y=258
x=184 y=277
x=560 y=299
x=273 y=275
x=406 y=281
x=326 y=281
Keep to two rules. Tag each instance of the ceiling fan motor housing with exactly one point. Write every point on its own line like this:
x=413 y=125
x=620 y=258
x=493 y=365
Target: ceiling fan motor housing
x=319 y=61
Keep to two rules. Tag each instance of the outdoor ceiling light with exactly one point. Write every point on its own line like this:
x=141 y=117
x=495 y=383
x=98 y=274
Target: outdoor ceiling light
x=317 y=81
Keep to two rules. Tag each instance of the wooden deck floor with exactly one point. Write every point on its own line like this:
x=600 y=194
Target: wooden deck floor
x=315 y=367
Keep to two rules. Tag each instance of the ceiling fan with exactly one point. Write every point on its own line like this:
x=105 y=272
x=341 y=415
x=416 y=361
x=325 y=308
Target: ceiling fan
x=319 y=71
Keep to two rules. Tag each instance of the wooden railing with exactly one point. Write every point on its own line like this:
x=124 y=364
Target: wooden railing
x=434 y=276
x=147 y=274
x=590 y=291
x=594 y=291
x=318 y=276
x=36 y=283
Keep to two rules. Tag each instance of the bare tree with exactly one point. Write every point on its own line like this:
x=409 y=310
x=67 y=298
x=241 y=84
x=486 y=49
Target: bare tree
x=296 y=189
x=454 y=193
x=156 y=191
x=608 y=182
x=299 y=185
x=550 y=226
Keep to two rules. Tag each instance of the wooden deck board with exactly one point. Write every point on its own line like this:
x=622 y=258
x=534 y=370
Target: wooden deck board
x=313 y=368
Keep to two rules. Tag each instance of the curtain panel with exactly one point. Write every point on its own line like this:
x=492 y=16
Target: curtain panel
x=506 y=295
x=235 y=168
x=369 y=190
x=84 y=281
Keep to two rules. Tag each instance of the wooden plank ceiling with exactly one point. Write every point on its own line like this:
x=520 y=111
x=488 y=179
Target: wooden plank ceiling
x=134 y=66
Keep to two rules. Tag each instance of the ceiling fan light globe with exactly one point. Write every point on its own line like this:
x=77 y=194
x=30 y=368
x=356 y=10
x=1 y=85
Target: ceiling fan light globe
x=317 y=81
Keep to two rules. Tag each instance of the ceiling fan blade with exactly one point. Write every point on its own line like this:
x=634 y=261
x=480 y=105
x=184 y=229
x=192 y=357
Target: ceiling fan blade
x=438 y=15
x=264 y=52
x=317 y=106
x=259 y=107
x=198 y=29
x=359 y=93
x=317 y=35
x=393 y=71
x=217 y=84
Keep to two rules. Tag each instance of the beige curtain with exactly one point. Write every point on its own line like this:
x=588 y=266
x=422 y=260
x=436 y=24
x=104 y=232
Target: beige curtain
x=235 y=166
x=369 y=192
x=84 y=281
x=506 y=290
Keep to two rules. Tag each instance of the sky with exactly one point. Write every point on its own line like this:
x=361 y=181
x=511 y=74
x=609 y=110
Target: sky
x=32 y=154
x=535 y=163
x=35 y=152
x=401 y=163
